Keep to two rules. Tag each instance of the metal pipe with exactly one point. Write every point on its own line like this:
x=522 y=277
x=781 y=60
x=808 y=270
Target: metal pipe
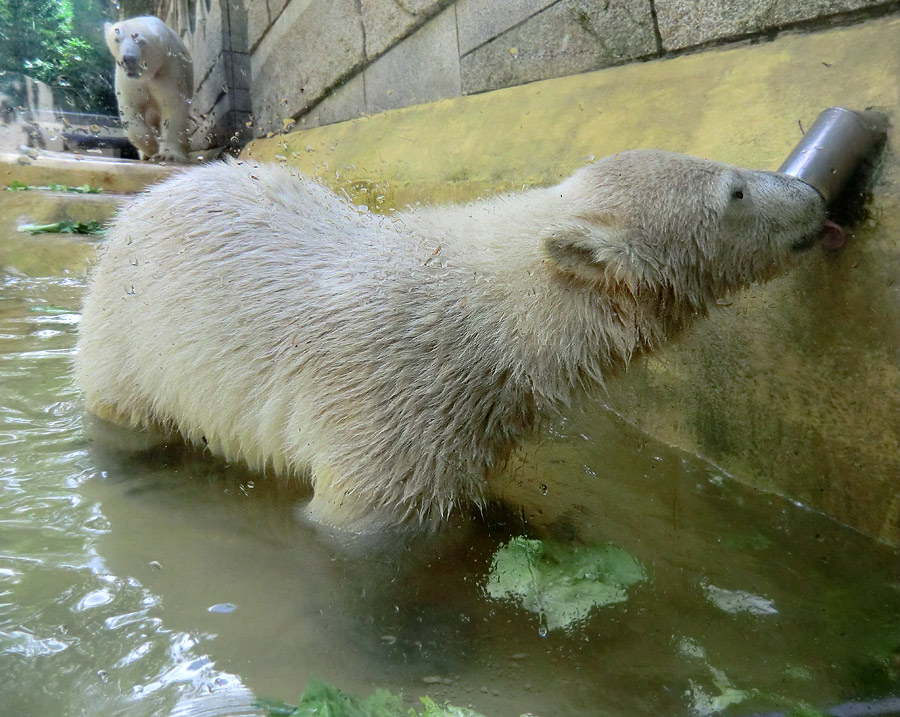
x=833 y=149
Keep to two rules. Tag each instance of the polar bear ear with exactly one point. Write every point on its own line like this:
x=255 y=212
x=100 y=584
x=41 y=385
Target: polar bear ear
x=597 y=253
x=109 y=35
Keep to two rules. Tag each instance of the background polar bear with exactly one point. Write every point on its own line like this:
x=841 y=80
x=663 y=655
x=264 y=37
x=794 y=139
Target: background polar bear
x=154 y=86
x=398 y=360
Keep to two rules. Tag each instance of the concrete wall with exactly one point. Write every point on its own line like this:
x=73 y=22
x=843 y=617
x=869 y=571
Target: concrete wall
x=324 y=61
x=793 y=387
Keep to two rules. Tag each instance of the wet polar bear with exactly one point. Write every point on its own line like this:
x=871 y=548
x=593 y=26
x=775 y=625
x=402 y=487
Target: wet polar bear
x=154 y=86
x=397 y=360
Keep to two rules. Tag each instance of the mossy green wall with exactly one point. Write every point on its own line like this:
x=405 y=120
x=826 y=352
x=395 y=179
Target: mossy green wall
x=794 y=387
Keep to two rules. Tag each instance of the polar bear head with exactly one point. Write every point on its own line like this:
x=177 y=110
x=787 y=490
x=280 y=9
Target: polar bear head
x=137 y=45
x=689 y=227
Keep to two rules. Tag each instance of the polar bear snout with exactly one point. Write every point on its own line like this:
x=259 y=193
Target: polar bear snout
x=791 y=211
x=132 y=66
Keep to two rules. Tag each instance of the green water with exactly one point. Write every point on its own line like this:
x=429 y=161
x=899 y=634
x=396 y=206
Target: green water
x=175 y=584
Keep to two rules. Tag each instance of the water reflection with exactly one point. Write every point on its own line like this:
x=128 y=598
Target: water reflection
x=75 y=638
x=174 y=583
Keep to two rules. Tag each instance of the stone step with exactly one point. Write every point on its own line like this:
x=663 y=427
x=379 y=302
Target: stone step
x=25 y=254
x=110 y=174
x=45 y=207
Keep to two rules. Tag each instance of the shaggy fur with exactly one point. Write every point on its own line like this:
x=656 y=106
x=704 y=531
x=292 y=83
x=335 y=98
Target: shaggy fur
x=154 y=85
x=399 y=359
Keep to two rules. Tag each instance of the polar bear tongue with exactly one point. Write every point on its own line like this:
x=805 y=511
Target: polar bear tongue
x=832 y=235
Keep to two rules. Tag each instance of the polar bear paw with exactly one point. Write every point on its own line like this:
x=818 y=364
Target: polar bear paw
x=169 y=155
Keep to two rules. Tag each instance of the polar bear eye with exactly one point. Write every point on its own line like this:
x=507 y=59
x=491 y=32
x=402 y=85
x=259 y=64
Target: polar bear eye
x=737 y=194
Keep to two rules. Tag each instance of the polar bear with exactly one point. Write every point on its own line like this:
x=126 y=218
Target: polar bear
x=154 y=86
x=397 y=360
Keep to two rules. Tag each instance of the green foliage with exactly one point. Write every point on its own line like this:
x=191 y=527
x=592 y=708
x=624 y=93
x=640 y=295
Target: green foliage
x=17 y=186
x=60 y=43
x=323 y=700
x=561 y=583
x=66 y=227
x=435 y=710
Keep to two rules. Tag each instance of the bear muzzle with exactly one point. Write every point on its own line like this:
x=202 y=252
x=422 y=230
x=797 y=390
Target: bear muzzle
x=132 y=66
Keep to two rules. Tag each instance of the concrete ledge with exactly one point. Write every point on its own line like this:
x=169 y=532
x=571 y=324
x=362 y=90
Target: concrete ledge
x=794 y=387
x=43 y=207
x=111 y=175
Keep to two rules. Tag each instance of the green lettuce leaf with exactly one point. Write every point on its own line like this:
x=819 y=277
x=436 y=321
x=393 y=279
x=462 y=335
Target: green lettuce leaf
x=561 y=583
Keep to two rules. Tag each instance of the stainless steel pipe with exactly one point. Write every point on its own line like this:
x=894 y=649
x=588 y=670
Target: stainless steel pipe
x=833 y=149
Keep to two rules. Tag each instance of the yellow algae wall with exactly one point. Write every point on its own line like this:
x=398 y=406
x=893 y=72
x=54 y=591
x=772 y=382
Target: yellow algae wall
x=794 y=387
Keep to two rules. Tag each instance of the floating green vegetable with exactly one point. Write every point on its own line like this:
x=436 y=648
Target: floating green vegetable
x=435 y=710
x=66 y=227
x=17 y=186
x=323 y=700
x=705 y=703
x=561 y=583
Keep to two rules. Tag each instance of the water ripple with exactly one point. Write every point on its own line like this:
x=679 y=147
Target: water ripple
x=75 y=639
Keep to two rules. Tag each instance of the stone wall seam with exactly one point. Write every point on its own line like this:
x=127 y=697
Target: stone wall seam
x=845 y=17
x=659 y=43
x=409 y=32
x=362 y=23
x=512 y=27
x=209 y=71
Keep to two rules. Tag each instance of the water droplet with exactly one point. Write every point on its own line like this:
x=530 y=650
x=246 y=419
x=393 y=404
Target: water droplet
x=542 y=631
x=543 y=489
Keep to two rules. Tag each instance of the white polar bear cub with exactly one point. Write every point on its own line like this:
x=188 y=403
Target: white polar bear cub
x=398 y=360
x=154 y=85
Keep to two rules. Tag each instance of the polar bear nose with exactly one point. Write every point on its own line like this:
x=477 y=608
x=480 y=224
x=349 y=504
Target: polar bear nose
x=132 y=64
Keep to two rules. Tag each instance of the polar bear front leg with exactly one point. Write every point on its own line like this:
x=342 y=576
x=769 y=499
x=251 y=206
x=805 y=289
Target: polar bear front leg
x=137 y=122
x=173 y=128
x=336 y=506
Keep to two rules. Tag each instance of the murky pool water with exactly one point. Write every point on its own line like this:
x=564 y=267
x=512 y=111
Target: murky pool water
x=176 y=584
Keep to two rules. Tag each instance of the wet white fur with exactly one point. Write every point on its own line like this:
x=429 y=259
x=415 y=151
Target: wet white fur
x=154 y=107
x=398 y=359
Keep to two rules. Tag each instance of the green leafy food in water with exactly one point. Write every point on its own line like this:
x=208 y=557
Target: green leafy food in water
x=323 y=700
x=66 y=227
x=436 y=710
x=562 y=584
x=705 y=703
x=17 y=186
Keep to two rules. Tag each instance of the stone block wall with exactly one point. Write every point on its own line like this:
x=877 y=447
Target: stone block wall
x=324 y=61
x=263 y=66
